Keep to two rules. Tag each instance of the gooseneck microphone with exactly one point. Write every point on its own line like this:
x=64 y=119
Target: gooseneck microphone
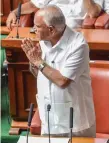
x=29 y=119
x=19 y=11
x=71 y=123
x=18 y=18
x=48 y=109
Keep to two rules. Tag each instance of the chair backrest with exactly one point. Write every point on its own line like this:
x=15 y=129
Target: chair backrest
x=99 y=71
x=101 y=22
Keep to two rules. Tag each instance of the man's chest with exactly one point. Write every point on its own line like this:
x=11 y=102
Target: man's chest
x=56 y=59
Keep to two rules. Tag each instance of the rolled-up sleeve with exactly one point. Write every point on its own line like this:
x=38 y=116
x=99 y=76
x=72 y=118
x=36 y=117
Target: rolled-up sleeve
x=40 y=3
x=75 y=62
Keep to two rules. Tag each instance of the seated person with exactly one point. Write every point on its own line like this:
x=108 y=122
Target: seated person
x=60 y=63
x=73 y=10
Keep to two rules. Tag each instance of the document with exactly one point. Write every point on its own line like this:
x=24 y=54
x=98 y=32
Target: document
x=23 y=139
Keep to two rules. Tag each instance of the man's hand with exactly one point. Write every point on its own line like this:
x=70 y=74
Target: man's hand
x=33 y=52
x=93 y=9
x=11 y=20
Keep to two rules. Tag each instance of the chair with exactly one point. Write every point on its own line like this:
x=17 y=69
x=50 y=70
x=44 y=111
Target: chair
x=101 y=22
x=99 y=71
x=35 y=127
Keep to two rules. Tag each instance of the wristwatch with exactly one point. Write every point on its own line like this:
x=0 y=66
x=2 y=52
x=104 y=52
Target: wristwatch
x=42 y=66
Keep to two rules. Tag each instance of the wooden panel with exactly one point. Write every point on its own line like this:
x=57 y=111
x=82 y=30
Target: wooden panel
x=15 y=3
x=1 y=8
x=9 y=5
x=14 y=55
x=12 y=91
x=30 y=94
x=22 y=93
x=99 y=55
x=5 y=10
x=6 y=6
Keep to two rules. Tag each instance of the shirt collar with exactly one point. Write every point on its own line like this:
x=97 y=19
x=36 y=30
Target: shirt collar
x=63 y=39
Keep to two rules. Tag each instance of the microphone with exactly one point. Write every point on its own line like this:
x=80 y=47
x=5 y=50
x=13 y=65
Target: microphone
x=48 y=109
x=18 y=18
x=29 y=119
x=71 y=123
x=19 y=11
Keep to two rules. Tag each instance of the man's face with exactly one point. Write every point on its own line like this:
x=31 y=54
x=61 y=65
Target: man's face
x=41 y=29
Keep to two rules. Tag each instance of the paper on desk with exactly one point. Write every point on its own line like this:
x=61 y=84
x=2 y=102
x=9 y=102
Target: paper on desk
x=101 y=140
x=22 y=139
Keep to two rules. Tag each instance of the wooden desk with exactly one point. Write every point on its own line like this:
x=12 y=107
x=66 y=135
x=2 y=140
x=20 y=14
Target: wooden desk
x=4 y=30
x=97 y=39
x=22 y=84
x=41 y=139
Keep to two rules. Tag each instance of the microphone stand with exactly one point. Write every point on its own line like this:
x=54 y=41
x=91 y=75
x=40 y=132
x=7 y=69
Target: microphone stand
x=29 y=120
x=48 y=109
x=17 y=36
x=18 y=18
x=27 y=134
x=71 y=135
x=71 y=123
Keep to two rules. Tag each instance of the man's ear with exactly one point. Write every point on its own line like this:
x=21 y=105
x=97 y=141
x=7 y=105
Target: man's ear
x=51 y=29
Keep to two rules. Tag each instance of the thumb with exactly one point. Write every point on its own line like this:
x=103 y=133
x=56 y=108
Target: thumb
x=14 y=21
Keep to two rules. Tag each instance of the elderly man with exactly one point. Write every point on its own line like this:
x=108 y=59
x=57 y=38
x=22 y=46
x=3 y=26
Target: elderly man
x=61 y=64
x=74 y=10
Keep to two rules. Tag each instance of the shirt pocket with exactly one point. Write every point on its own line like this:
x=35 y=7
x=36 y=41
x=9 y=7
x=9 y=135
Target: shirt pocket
x=60 y=113
x=59 y=61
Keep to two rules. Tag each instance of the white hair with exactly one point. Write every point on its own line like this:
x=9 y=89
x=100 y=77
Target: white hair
x=53 y=16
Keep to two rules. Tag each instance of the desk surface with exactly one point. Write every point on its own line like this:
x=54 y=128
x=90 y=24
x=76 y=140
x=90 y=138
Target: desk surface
x=42 y=139
x=97 y=39
x=89 y=140
x=96 y=35
x=12 y=42
x=4 y=30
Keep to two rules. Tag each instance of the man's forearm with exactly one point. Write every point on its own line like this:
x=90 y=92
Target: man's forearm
x=93 y=9
x=55 y=76
x=26 y=8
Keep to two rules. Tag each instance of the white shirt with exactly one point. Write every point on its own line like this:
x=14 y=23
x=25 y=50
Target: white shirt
x=105 y=4
x=71 y=57
x=73 y=10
